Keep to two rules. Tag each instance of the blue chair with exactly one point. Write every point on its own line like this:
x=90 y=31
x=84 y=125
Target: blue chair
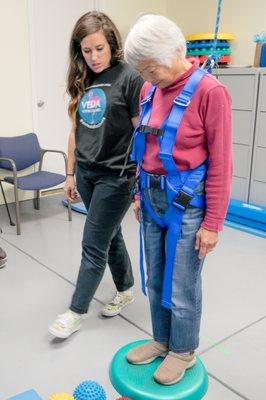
x=20 y=152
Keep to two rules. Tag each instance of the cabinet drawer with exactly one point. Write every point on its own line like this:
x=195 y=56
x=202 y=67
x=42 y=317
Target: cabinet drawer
x=261 y=129
x=239 y=188
x=258 y=193
x=260 y=165
x=242 y=127
x=263 y=93
x=242 y=89
x=241 y=159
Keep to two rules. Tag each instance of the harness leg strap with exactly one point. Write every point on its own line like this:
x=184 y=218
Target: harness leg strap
x=141 y=258
x=173 y=236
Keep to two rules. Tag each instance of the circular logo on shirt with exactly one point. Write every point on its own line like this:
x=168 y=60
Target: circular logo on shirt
x=92 y=108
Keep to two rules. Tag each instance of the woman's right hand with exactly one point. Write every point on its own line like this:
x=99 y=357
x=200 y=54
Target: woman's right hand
x=70 y=188
x=136 y=209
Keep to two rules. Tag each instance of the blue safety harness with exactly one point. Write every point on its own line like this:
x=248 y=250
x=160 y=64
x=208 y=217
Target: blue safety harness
x=179 y=185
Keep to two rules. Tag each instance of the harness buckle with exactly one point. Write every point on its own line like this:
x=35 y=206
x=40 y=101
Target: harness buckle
x=146 y=100
x=182 y=102
x=157 y=182
x=182 y=200
x=150 y=130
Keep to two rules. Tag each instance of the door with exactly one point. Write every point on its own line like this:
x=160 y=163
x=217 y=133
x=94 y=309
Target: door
x=50 y=26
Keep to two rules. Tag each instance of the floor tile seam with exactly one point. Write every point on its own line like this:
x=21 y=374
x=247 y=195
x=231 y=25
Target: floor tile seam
x=127 y=320
x=242 y=396
x=232 y=335
x=121 y=316
x=39 y=262
x=137 y=326
x=72 y=284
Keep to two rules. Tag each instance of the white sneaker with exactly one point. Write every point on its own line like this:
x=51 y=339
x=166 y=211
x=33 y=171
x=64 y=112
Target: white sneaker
x=66 y=324
x=115 y=306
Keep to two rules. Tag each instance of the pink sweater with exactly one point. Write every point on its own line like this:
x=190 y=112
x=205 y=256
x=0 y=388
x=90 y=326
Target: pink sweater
x=204 y=132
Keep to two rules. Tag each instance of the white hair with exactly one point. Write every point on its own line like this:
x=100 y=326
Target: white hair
x=154 y=37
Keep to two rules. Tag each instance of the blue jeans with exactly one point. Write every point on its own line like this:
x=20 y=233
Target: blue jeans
x=178 y=327
x=107 y=198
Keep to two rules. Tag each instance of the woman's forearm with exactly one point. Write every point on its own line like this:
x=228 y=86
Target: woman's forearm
x=71 y=160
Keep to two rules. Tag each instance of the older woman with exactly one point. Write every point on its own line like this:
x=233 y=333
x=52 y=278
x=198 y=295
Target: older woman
x=183 y=149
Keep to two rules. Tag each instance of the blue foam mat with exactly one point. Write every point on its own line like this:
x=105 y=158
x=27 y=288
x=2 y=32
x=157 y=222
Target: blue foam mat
x=245 y=228
x=250 y=211
x=250 y=218
x=28 y=395
x=204 y=44
x=76 y=206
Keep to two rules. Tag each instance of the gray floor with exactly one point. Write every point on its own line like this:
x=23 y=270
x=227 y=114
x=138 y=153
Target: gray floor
x=38 y=282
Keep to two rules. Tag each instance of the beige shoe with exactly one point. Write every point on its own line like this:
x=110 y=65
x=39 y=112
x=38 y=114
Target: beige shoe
x=173 y=368
x=115 y=306
x=147 y=352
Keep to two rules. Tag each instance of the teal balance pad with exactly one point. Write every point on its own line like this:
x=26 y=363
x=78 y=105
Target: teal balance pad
x=136 y=381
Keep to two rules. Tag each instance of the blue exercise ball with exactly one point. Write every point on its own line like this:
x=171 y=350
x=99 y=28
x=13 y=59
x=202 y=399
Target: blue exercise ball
x=89 y=390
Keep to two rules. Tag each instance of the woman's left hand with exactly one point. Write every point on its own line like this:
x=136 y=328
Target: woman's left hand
x=205 y=241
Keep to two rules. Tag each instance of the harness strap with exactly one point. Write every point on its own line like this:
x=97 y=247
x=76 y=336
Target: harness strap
x=139 y=143
x=172 y=239
x=173 y=121
x=141 y=260
x=179 y=185
x=171 y=220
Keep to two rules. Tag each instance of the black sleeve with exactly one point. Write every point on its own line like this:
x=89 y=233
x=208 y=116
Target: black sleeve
x=132 y=92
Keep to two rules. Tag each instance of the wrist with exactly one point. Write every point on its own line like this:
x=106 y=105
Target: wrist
x=70 y=174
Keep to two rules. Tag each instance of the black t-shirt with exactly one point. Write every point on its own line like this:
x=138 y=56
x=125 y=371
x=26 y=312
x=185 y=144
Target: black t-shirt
x=104 y=127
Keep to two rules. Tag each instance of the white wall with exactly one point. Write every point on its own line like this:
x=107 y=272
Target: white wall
x=15 y=78
x=242 y=17
x=125 y=12
x=15 y=99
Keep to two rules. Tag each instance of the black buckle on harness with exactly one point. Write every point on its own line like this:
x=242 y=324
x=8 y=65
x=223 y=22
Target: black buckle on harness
x=182 y=200
x=149 y=130
x=155 y=181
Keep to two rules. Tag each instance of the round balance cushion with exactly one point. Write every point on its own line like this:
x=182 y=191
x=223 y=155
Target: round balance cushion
x=137 y=383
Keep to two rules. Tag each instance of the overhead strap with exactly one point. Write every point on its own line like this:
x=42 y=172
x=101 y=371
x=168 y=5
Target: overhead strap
x=213 y=57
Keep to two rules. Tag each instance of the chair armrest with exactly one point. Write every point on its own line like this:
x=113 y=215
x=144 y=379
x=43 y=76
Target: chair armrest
x=43 y=151
x=13 y=165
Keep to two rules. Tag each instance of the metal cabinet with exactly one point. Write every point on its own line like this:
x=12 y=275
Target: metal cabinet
x=247 y=87
x=258 y=173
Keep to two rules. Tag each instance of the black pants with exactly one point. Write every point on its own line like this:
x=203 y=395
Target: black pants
x=107 y=198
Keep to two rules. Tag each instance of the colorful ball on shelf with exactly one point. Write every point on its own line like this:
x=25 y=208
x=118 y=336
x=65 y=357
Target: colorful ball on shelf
x=61 y=396
x=89 y=390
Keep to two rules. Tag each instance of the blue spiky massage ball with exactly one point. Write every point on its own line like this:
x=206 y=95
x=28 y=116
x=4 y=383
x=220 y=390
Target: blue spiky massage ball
x=89 y=390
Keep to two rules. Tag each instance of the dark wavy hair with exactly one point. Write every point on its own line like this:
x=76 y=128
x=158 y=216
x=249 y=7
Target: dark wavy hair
x=78 y=71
